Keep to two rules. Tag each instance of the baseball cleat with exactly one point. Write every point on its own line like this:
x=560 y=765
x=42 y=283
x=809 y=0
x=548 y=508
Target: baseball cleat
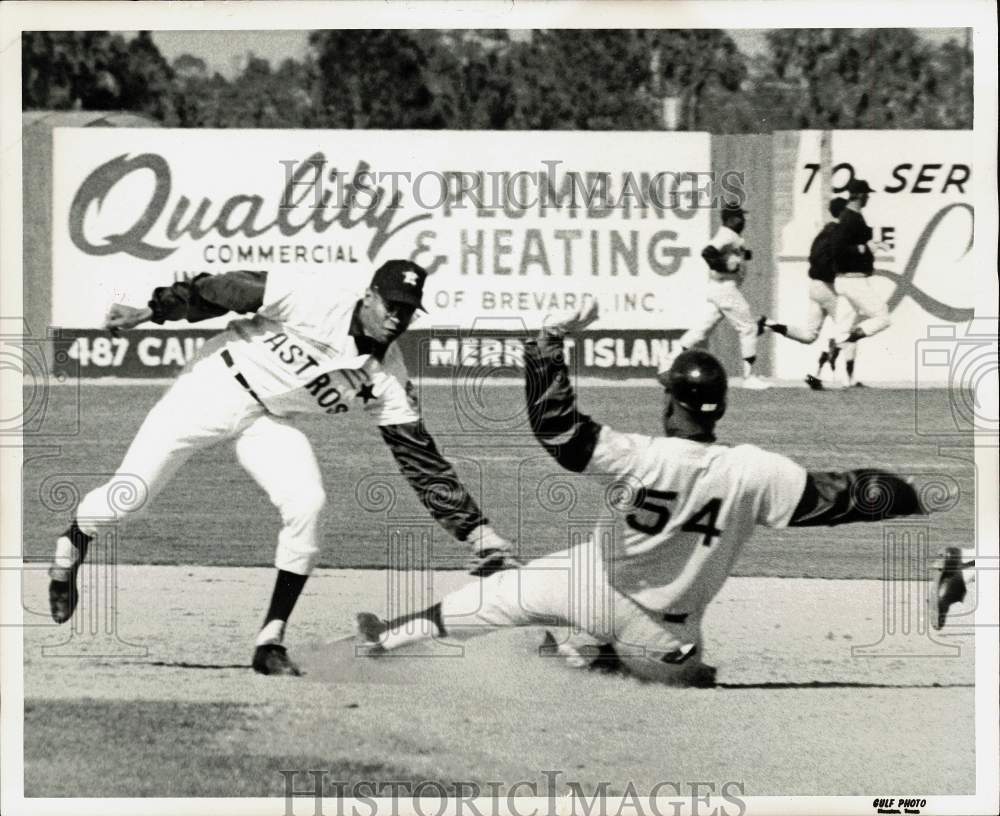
x=63 y=596
x=272 y=658
x=815 y=383
x=832 y=354
x=369 y=628
x=486 y=562
x=761 y=324
x=950 y=587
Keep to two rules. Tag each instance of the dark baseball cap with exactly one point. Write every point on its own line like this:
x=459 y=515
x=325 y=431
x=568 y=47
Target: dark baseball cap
x=400 y=282
x=858 y=186
x=732 y=208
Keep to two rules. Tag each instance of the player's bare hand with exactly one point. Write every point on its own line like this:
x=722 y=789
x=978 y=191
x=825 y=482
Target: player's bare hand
x=121 y=317
x=577 y=322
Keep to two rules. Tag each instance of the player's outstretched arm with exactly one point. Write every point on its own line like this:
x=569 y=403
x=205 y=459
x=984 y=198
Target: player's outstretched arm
x=567 y=435
x=855 y=495
x=877 y=495
x=200 y=298
x=439 y=489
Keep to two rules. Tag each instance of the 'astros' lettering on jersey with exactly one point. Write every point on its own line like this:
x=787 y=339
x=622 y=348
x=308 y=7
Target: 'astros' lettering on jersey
x=298 y=355
x=691 y=508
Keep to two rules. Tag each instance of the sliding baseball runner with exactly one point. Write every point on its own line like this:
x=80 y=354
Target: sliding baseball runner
x=685 y=506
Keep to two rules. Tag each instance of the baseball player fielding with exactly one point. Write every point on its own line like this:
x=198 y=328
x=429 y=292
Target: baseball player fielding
x=726 y=255
x=310 y=345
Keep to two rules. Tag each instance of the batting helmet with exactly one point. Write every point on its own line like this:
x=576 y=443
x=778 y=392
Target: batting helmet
x=697 y=381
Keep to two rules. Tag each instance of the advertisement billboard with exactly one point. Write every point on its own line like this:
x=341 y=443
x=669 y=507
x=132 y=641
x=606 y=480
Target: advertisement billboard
x=510 y=226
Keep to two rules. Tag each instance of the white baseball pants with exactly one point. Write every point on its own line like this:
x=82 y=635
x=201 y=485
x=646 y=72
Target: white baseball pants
x=571 y=589
x=204 y=406
x=822 y=304
x=724 y=300
x=872 y=310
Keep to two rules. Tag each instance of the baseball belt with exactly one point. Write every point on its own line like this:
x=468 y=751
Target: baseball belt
x=228 y=360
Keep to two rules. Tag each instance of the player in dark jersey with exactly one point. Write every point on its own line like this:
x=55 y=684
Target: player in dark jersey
x=855 y=265
x=822 y=295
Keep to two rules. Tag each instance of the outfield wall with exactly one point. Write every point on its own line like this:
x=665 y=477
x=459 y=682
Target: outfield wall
x=37 y=182
x=511 y=226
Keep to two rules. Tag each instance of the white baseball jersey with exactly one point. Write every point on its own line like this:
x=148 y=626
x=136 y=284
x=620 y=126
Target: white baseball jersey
x=298 y=356
x=692 y=507
x=728 y=242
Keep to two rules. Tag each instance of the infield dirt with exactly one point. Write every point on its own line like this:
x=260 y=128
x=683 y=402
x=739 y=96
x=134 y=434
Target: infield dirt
x=797 y=711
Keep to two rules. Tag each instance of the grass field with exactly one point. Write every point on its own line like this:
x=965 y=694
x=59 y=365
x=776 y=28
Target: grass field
x=178 y=712
x=213 y=513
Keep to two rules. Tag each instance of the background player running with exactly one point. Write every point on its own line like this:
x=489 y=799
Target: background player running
x=688 y=506
x=855 y=264
x=726 y=255
x=822 y=296
x=311 y=346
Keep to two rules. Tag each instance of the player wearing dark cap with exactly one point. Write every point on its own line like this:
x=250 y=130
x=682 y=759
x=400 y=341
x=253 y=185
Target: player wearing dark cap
x=822 y=295
x=680 y=509
x=726 y=256
x=311 y=345
x=855 y=264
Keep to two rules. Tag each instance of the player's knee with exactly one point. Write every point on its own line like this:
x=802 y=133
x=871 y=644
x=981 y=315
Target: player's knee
x=307 y=505
x=878 y=322
x=314 y=501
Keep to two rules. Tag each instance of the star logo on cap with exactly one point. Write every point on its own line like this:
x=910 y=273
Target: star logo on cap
x=410 y=278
